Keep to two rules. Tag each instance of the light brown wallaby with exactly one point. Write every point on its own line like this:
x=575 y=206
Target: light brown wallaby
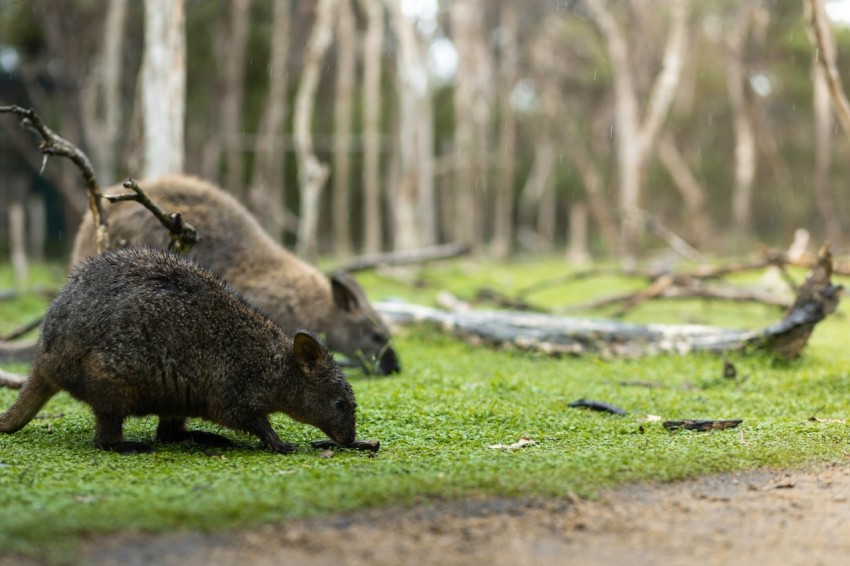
x=290 y=291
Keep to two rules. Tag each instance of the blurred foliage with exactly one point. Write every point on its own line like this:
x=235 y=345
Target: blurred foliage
x=557 y=43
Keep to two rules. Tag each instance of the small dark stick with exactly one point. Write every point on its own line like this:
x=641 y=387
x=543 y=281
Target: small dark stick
x=327 y=443
x=598 y=406
x=701 y=425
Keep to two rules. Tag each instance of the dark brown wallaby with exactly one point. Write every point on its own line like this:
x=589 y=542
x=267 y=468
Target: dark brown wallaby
x=143 y=332
x=291 y=292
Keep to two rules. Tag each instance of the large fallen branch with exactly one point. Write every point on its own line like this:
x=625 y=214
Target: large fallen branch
x=816 y=299
x=17 y=352
x=12 y=380
x=408 y=257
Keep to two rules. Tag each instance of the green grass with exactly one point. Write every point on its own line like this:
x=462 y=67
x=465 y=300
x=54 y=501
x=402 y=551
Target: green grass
x=435 y=422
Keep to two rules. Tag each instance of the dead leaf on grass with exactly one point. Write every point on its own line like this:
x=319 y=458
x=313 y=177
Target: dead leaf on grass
x=820 y=420
x=522 y=442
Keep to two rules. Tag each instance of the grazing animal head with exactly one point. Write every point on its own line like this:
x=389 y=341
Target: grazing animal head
x=327 y=400
x=357 y=330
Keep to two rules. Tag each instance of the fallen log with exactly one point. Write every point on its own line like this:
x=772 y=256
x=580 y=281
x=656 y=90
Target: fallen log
x=12 y=380
x=17 y=352
x=407 y=257
x=816 y=299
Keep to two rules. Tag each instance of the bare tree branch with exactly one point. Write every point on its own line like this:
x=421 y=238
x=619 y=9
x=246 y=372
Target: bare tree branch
x=183 y=234
x=53 y=144
x=822 y=38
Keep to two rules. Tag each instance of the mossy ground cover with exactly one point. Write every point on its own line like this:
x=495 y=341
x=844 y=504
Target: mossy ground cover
x=436 y=422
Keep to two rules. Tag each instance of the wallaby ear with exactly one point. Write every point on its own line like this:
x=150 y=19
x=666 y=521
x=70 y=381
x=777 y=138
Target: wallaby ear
x=346 y=292
x=309 y=353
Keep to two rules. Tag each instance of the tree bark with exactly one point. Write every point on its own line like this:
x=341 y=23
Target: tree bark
x=822 y=38
x=164 y=87
x=312 y=173
x=636 y=138
x=745 y=144
x=823 y=128
x=577 y=248
x=36 y=226
x=102 y=105
x=343 y=104
x=373 y=42
x=472 y=115
x=414 y=206
x=234 y=94
x=17 y=240
x=267 y=185
x=503 y=225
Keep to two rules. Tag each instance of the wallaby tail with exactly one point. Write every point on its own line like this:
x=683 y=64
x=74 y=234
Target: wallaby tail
x=34 y=394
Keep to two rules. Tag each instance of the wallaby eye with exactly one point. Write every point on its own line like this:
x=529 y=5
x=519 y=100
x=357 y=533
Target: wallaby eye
x=377 y=338
x=339 y=404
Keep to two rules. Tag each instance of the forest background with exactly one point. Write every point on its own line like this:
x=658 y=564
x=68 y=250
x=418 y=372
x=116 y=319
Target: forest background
x=353 y=126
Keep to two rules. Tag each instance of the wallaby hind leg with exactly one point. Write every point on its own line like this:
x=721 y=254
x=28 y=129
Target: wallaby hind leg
x=35 y=392
x=110 y=436
x=174 y=430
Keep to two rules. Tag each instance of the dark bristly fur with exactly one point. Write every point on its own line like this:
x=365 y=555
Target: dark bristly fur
x=291 y=292
x=142 y=332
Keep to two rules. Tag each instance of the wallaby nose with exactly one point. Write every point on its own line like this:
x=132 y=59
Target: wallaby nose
x=389 y=363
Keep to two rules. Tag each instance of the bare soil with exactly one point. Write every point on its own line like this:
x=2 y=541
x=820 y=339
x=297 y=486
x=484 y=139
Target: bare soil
x=788 y=518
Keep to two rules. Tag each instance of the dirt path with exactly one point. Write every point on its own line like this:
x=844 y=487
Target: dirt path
x=768 y=517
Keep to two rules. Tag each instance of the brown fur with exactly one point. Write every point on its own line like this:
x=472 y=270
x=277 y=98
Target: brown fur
x=142 y=332
x=293 y=293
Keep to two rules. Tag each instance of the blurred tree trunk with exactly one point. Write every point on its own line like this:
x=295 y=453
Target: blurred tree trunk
x=426 y=202
x=64 y=99
x=267 y=185
x=824 y=124
x=343 y=104
x=594 y=183
x=16 y=185
x=636 y=138
x=822 y=37
x=372 y=53
x=37 y=226
x=164 y=86
x=414 y=205
x=312 y=173
x=537 y=195
x=472 y=116
x=234 y=94
x=102 y=97
x=693 y=193
x=503 y=225
x=745 y=144
x=577 y=248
